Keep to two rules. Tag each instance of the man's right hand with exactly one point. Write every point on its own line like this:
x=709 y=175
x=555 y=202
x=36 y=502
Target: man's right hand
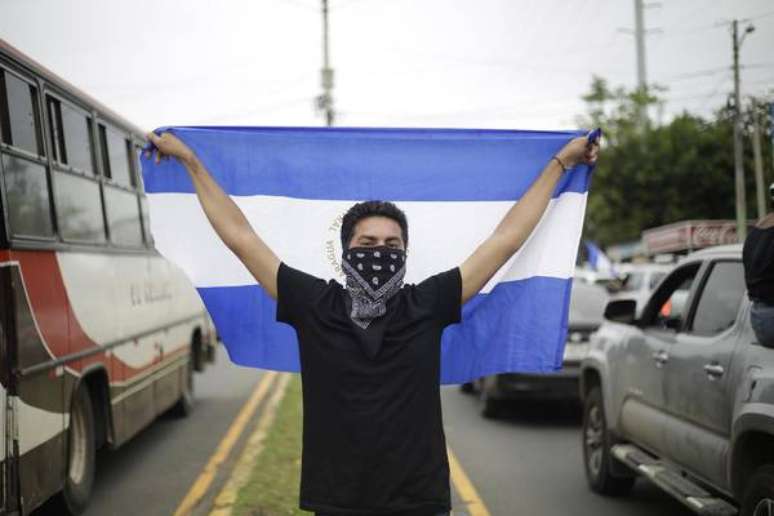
x=167 y=144
x=226 y=218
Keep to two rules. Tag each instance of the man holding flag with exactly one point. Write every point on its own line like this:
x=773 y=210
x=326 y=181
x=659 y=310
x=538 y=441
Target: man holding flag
x=370 y=350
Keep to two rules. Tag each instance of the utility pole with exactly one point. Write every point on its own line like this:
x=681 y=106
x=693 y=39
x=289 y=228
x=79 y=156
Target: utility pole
x=741 y=201
x=639 y=38
x=759 y=187
x=639 y=34
x=771 y=125
x=325 y=100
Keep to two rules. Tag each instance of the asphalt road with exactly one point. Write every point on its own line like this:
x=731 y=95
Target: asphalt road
x=152 y=473
x=529 y=462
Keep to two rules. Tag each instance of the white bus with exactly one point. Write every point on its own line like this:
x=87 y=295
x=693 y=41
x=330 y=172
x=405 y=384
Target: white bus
x=98 y=333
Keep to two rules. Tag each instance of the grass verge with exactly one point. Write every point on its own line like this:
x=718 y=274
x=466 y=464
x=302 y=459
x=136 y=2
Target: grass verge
x=272 y=489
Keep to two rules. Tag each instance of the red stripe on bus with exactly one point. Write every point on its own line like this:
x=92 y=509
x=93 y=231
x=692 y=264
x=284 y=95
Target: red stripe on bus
x=57 y=322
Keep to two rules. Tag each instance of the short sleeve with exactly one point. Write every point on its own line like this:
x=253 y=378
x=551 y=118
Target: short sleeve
x=445 y=291
x=296 y=292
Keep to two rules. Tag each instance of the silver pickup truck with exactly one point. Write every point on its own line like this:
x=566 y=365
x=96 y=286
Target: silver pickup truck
x=684 y=394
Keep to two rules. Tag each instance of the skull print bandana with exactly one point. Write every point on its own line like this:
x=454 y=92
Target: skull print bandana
x=374 y=275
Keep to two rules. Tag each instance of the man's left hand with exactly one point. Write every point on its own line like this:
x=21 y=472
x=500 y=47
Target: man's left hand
x=579 y=150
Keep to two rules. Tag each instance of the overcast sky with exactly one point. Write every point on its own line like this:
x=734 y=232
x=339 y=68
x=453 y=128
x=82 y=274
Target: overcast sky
x=439 y=63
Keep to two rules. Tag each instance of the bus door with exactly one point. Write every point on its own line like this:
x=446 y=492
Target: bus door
x=9 y=444
x=41 y=333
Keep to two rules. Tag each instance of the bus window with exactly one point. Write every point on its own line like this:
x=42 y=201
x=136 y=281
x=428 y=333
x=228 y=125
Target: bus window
x=55 y=130
x=71 y=136
x=18 y=113
x=29 y=211
x=145 y=220
x=123 y=217
x=115 y=156
x=136 y=168
x=79 y=208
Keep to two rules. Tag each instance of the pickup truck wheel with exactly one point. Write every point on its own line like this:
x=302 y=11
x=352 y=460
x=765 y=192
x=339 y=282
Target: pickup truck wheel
x=467 y=388
x=596 y=449
x=492 y=408
x=758 y=499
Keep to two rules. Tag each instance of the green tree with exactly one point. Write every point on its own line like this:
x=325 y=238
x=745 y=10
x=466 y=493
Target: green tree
x=653 y=175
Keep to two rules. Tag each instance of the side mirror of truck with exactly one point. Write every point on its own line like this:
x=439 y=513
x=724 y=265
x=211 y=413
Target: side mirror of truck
x=622 y=310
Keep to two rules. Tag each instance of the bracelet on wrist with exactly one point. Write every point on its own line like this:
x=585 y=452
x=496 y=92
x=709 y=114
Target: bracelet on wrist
x=565 y=168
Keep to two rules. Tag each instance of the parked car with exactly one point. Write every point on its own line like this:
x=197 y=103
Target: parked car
x=587 y=305
x=684 y=394
x=638 y=281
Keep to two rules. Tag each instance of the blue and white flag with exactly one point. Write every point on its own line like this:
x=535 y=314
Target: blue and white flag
x=295 y=184
x=598 y=259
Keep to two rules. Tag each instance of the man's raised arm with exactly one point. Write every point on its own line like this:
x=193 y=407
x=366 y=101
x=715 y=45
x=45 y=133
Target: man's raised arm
x=225 y=216
x=522 y=218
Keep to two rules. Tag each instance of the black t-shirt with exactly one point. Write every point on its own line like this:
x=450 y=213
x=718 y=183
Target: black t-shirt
x=373 y=436
x=758 y=259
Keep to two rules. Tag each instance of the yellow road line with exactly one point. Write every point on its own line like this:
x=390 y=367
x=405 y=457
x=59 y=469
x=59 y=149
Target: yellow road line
x=473 y=503
x=240 y=475
x=203 y=482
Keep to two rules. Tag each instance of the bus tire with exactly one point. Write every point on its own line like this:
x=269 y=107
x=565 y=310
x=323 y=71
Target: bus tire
x=185 y=404
x=81 y=454
x=198 y=353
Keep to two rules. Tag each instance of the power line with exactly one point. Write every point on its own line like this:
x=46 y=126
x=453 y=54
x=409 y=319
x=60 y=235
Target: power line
x=707 y=94
x=681 y=31
x=761 y=15
x=715 y=71
x=489 y=63
x=698 y=74
x=689 y=31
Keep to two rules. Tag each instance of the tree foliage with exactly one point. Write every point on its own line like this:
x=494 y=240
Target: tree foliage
x=649 y=175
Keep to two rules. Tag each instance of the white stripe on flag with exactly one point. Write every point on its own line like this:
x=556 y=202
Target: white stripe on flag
x=305 y=234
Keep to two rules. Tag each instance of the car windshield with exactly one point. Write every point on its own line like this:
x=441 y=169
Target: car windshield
x=655 y=279
x=633 y=281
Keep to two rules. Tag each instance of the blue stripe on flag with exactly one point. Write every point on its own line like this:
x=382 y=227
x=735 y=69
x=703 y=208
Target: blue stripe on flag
x=358 y=164
x=530 y=338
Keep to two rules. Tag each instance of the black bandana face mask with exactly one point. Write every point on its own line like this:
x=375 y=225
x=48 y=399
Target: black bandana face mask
x=374 y=275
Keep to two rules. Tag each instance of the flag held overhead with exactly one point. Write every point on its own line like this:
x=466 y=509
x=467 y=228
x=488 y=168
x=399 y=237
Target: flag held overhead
x=294 y=185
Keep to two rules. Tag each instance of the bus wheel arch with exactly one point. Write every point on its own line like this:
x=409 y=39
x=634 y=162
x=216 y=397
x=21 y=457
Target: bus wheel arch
x=96 y=381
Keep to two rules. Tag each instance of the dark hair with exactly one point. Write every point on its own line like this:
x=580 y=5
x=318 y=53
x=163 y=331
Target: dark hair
x=363 y=210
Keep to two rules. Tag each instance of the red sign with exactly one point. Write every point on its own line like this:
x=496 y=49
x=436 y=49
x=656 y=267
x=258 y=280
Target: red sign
x=689 y=235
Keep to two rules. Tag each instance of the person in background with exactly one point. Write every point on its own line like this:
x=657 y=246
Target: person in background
x=758 y=258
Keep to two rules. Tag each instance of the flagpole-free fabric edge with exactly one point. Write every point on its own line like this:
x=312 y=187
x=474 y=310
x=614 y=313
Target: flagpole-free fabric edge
x=418 y=168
